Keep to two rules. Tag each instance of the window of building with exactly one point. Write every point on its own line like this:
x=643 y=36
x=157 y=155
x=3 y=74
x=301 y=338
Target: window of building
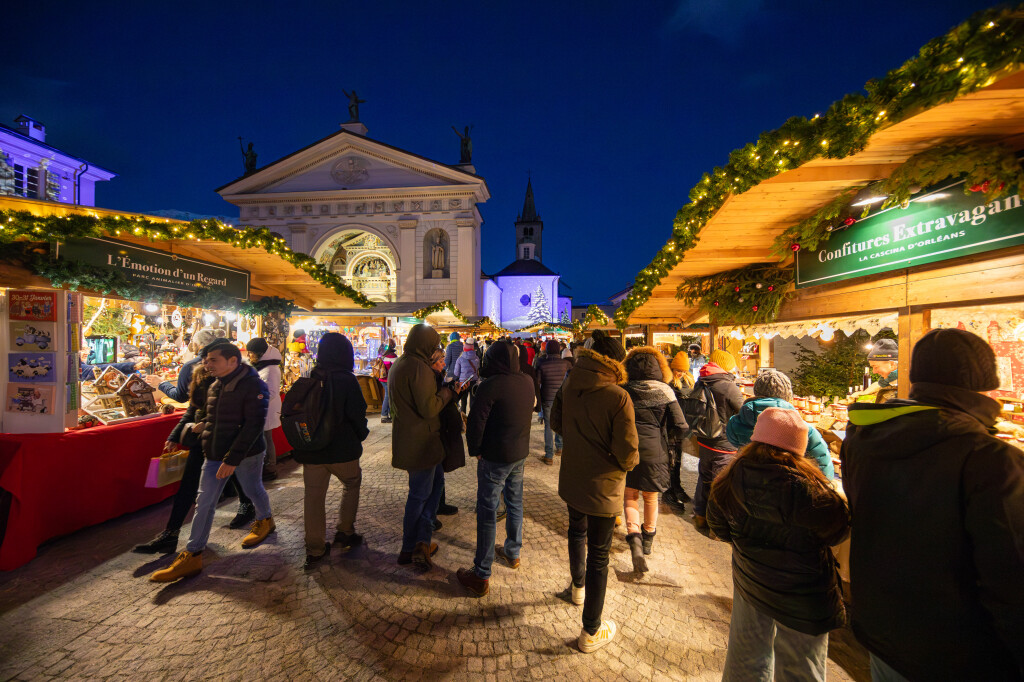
x=527 y=251
x=26 y=181
x=527 y=231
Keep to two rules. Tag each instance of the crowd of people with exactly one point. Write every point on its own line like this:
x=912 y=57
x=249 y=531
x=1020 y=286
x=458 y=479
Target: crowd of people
x=934 y=502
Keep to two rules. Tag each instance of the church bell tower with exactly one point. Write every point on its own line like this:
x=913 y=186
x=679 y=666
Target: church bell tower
x=529 y=229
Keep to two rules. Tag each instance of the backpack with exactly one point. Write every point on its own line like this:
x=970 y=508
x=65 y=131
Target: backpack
x=306 y=412
x=378 y=370
x=701 y=412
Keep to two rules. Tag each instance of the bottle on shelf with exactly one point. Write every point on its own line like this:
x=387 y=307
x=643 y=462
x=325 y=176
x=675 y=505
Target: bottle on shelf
x=867 y=377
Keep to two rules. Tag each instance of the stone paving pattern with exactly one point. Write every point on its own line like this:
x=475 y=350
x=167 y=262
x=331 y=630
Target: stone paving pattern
x=84 y=609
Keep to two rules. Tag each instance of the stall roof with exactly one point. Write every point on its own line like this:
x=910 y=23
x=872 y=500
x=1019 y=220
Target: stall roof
x=270 y=275
x=405 y=309
x=742 y=231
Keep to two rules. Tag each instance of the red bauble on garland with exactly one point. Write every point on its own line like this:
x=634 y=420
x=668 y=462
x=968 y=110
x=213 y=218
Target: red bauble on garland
x=794 y=247
x=754 y=308
x=715 y=304
x=849 y=221
x=735 y=288
x=771 y=287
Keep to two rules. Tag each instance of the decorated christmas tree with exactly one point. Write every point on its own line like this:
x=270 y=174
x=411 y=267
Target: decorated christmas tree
x=540 y=312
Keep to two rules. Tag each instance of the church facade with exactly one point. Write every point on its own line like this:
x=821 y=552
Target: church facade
x=394 y=225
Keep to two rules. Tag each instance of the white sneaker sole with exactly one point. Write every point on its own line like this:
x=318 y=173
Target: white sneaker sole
x=589 y=645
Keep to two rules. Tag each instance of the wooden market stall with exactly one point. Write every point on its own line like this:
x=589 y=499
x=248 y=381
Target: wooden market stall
x=55 y=476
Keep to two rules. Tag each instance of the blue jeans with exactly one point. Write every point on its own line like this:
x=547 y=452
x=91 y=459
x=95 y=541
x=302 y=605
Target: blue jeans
x=882 y=672
x=762 y=649
x=552 y=441
x=425 y=487
x=250 y=476
x=385 y=408
x=492 y=479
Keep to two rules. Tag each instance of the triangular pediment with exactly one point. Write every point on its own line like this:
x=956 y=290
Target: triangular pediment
x=346 y=161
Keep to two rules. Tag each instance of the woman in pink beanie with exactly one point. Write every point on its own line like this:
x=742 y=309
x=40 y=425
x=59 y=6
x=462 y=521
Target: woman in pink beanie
x=781 y=515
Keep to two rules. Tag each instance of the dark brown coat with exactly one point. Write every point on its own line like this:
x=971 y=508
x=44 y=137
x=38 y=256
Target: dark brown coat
x=594 y=416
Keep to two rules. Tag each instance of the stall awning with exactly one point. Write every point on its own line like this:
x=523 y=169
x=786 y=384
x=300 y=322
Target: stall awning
x=742 y=231
x=270 y=274
x=872 y=324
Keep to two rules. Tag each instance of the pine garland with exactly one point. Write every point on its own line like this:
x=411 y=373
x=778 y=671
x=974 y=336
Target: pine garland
x=962 y=61
x=446 y=304
x=750 y=295
x=22 y=225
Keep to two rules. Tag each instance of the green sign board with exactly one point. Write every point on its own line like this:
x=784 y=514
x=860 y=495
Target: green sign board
x=943 y=223
x=157 y=268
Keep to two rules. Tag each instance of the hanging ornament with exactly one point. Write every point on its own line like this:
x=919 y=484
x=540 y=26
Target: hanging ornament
x=794 y=247
x=715 y=304
x=758 y=285
x=771 y=287
x=741 y=299
x=176 y=319
x=849 y=221
x=735 y=288
x=754 y=308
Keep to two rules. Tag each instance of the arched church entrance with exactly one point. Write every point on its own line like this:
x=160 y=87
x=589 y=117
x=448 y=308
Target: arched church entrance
x=364 y=261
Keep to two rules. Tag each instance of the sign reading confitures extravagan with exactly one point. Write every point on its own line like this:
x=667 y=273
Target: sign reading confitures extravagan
x=940 y=224
x=158 y=268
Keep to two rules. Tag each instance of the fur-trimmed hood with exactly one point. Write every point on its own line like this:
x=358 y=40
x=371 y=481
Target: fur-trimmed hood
x=601 y=366
x=647 y=362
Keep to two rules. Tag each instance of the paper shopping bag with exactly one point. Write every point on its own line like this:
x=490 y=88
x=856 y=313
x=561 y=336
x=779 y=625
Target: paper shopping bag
x=166 y=469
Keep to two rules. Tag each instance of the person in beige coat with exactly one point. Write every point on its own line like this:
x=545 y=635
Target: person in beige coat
x=595 y=418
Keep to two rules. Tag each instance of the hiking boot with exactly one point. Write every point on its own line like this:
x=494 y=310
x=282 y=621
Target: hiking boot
x=165 y=543
x=421 y=555
x=185 y=565
x=447 y=509
x=347 y=540
x=258 y=532
x=472 y=582
x=245 y=516
x=589 y=643
x=637 y=552
x=499 y=551
x=312 y=561
x=579 y=594
x=648 y=539
x=547 y=460
x=405 y=558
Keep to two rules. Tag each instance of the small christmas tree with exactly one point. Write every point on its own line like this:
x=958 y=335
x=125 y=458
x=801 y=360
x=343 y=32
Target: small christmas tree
x=539 y=312
x=565 y=317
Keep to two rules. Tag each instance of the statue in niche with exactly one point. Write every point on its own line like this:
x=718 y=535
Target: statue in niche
x=6 y=175
x=437 y=253
x=353 y=105
x=248 y=157
x=465 y=144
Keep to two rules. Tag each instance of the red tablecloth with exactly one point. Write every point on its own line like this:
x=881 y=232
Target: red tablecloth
x=61 y=482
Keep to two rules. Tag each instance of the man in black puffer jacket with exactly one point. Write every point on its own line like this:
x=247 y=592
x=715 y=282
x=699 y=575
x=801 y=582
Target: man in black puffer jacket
x=498 y=435
x=232 y=438
x=335 y=360
x=551 y=371
x=715 y=453
x=937 y=548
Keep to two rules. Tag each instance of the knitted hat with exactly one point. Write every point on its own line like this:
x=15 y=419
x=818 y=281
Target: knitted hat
x=454 y=336
x=694 y=346
x=771 y=383
x=203 y=337
x=609 y=347
x=723 y=359
x=782 y=428
x=681 y=362
x=258 y=346
x=884 y=349
x=954 y=357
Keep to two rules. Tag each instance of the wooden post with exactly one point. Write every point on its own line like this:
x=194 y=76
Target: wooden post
x=648 y=335
x=912 y=326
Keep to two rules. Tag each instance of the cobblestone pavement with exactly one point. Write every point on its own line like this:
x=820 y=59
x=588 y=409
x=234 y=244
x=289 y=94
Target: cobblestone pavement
x=83 y=609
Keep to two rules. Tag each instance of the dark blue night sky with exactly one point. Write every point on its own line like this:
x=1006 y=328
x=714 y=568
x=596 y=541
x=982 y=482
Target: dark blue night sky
x=616 y=107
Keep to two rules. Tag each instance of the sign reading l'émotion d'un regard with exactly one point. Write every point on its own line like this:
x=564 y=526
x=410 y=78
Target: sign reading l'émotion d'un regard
x=940 y=224
x=157 y=268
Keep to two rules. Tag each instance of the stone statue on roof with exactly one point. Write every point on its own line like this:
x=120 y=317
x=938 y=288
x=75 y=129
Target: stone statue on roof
x=465 y=145
x=353 y=105
x=248 y=157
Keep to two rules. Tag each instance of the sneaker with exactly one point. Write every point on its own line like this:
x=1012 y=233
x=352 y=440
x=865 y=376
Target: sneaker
x=347 y=540
x=589 y=643
x=245 y=516
x=472 y=582
x=385 y=420
x=312 y=561
x=165 y=543
x=578 y=594
x=447 y=509
x=499 y=552
x=185 y=565
x=258 y=532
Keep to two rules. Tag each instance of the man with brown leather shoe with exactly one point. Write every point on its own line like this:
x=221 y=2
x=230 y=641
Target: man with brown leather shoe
x=232 y=438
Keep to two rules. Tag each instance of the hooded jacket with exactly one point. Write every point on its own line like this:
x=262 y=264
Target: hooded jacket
x=498 y=427
x=781 y=533
x=937 y=550
x=658 y=417
x=269 y=368
x=451 y=356
x=728 y=401
x=526 y=368
x=236 y=411
x=336 y=358
x=468 y=364
x=416 y=403
x=594 y=415
x=741 y=427
x=551 y=372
